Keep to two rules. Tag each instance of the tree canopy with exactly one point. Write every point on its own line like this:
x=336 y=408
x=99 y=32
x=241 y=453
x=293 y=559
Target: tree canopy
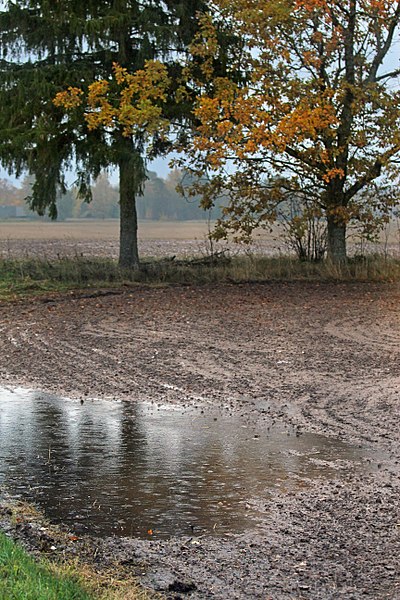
x=49 y=47
x=310 y=110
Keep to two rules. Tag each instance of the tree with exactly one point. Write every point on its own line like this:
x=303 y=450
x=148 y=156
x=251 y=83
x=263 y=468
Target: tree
x=104 y=204
x=9 y=194
x=310 y=111
x=48 y=47
x=162 y=201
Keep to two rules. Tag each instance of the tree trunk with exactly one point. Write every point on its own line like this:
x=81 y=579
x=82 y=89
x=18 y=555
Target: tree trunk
x=336 y=240
x=128 y=242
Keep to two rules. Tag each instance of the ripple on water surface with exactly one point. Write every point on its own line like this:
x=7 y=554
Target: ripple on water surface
x=127 y=468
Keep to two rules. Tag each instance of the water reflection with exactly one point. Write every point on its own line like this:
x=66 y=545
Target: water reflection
x=125 y=468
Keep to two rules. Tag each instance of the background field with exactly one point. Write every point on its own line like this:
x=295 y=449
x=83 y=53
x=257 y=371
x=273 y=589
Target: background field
x=100 y=238
x=86 y=237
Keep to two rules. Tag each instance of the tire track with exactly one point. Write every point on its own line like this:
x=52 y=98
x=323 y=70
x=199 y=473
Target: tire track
x=382 y=335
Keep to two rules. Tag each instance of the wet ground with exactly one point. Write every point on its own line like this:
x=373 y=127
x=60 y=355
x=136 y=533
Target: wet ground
x=140 y=469
x=314 y=359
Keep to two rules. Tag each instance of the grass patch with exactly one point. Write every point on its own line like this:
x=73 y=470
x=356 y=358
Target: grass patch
x=22 y=577
x=29 y=277
x=68 y=572
x=32 y=276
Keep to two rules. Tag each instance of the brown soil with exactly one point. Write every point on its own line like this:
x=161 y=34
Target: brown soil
x=323 y=357
x=87 y=237
x=92 y=237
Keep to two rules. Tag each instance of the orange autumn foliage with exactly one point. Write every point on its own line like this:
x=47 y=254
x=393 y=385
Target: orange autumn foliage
x=309 y=107
x=129 y=102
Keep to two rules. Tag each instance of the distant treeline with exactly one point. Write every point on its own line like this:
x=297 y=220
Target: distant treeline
x=160 y=201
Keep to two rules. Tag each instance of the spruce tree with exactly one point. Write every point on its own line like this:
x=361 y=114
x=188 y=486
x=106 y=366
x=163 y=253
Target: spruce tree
x=47 y=46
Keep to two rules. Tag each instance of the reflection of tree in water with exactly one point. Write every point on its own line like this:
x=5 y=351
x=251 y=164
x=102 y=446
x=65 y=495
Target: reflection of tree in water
x=128 y=467
x=195 y=471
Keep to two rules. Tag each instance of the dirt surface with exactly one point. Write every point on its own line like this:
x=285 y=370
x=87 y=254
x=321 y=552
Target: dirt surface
x=91 y=237
x=323 y=358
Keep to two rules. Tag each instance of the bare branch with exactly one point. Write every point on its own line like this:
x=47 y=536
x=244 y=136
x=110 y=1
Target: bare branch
x=382 y=51
x=389 y=75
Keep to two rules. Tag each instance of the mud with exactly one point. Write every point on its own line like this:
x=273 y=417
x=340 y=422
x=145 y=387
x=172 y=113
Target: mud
x=321 y=358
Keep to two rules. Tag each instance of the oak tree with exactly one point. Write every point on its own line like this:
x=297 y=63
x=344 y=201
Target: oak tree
x=313 y=115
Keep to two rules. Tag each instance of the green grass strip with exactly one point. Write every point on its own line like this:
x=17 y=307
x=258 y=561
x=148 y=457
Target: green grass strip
x=21 y=578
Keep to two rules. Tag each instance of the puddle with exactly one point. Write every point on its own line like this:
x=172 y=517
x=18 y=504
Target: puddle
x=124 y=468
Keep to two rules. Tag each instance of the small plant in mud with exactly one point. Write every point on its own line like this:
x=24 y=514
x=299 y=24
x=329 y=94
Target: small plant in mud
x=305 y=231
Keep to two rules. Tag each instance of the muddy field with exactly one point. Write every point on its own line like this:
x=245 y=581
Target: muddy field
x=86 y=237
x=322 y=358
